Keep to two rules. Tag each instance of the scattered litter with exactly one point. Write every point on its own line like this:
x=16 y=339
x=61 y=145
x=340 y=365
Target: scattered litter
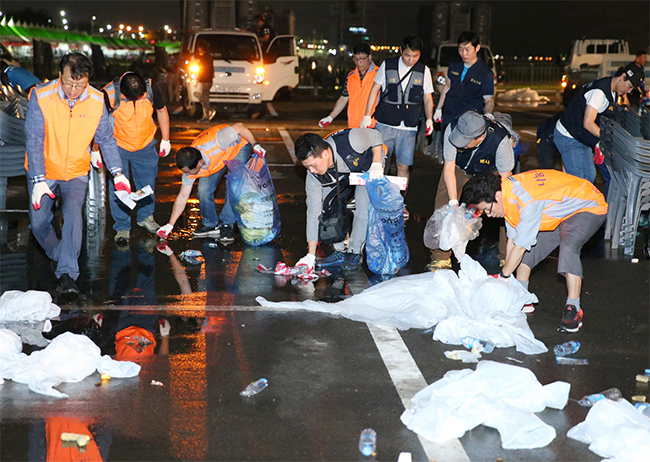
x=405 y=457
x=635 y=260
x=571 y=361
x=256 y=259
x=129 y=199
x=524 y=95
x=589 y=400
x=368 y=442
x=643 y=408
x=615 y=430
x=567 y=348
x=77 y=439
x=105 y=377
x=452 y=227
x=281 y=269
x=254 y=388
x=642 y=378
x=30 y=332
x=515 y=360
x=33 y=305
x=213 y=245
x=639 y=398
x=477 y=346
x=463 y=355
x=157 y=383
x=193 y=257
x=501 y=396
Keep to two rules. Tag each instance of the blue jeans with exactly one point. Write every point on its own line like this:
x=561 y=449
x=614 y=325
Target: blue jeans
x=577 y=158
x=143 y=171
x=399 y=141
x=66 y=250
x=207 y=187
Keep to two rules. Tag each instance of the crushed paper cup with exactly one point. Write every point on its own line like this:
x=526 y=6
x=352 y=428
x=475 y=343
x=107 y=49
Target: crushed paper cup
x=129 y=199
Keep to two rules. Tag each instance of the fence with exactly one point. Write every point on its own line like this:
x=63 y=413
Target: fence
x=530 y=73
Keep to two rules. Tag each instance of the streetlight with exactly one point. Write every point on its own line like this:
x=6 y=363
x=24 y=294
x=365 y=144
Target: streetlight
x=108 y=27
x=62 y=13
x=92 y=24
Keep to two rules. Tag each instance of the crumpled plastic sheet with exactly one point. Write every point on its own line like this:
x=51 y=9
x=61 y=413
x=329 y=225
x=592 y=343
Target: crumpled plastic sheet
x=450 y=228
x=30 y=333
x=468 y=304
x=463 y=355
x=615 y=430
x=501 y=396
x=33 y=305
x=69 y=358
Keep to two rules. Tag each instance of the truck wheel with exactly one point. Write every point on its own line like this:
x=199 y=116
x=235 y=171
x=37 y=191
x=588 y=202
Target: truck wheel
x=256 y=111
x=191 y=110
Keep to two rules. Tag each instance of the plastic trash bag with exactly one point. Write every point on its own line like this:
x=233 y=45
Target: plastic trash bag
x=615 y=430
x=386 y=249
x=33 y=305
x=252 y=195
x=451 y=227
x=501 y=396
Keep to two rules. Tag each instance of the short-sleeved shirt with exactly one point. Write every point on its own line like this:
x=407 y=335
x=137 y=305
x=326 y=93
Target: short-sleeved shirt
x=402 y=69
x=226 y=137
x=504 y=158
x=595 y=98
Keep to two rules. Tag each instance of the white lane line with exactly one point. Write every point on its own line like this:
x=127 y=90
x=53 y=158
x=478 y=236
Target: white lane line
x=184 y=306
x=408 y=380
x=281 y=165
x=289 y=143
x=529 y=132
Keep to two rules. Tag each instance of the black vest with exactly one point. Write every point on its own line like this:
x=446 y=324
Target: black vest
x=356 y=161
x=574 y=116
x=467 y=94
x=397 y=105
x=483 y=157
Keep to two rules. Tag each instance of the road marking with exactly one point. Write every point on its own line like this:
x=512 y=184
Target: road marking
x=281 y=165
x=529 y=132
x=289 y=143
x=271 y=109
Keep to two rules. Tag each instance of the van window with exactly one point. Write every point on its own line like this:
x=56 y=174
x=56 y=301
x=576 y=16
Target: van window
x=601 y=49
x=590 y=49
x=613 y=48
x=232 y=47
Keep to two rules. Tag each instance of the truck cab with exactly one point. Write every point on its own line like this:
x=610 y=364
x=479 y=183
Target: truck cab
x=245 y=76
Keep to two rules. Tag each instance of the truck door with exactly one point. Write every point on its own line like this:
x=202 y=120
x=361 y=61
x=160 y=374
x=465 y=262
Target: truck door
x=281 y=65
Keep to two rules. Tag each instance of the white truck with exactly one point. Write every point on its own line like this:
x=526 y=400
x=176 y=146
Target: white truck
x=245 y=76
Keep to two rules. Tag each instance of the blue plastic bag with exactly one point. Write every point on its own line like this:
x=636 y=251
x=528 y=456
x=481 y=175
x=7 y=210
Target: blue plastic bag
x=386 y=249
x=252 y=195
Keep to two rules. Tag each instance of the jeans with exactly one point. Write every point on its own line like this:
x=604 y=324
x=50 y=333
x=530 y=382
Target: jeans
x=143 y=171
x=400 y=141
x=577 y=158
x=66 y=250
x=207 y=187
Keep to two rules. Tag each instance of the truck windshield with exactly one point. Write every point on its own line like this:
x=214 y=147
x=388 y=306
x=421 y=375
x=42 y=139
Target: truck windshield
x=232 y=47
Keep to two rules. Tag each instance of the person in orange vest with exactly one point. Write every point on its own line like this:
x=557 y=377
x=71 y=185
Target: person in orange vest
x=63 y=117
x=543 y=209
x=356 y=89
x=131 y=101
x=204 y=159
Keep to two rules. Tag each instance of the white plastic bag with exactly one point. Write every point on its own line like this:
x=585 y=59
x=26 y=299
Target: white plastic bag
x=33 y=305
x=451 y=227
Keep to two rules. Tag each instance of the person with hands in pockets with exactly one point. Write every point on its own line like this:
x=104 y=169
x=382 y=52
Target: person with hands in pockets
x=342 y=152
x=64 y=115
x=131 y=100
x=204 y=159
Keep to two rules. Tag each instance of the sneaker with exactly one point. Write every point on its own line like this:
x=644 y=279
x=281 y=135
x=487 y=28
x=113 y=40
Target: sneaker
x=406 y=214
x=149 y=224
x=435 y=265
x=334 y=259
x=66 y=287
x=571 y=319
x=206 y=231
x=225 y=234
x=530 y=308
x=352 y=261
x=122 y=237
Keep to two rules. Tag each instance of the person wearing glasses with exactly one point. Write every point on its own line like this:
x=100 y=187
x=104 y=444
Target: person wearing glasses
x=63 y=117
x=543 y=209
x=356 y=89
x=473 y=143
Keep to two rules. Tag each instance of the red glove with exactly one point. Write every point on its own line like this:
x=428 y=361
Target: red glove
x=599 y=157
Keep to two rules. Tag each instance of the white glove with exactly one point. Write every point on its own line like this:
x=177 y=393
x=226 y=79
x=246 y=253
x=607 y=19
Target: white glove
x=164 y=231
x=437 y=116
x=165 y=148
x=38 y=191
x=259 y=150
x=324 y=122
x=164 y=249
x=453 y=202
x=429 y=126
x=96 y=159
x=366 y=122
x=308 y=260
x=376 y=171
x=121 y=183
x=489 y=116
x=164 y=327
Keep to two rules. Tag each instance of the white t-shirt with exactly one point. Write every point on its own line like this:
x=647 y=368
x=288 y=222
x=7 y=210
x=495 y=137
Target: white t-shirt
x=595 y=98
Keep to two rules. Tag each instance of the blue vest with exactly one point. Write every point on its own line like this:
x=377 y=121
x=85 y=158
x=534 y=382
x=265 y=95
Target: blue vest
x=483 y=157
x=397 y=105
x=467 y=94
x=574 y=116
x=356 y=161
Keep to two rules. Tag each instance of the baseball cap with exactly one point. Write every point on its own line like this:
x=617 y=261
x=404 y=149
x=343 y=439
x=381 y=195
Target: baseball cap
x=470 y=125
x=634 y=74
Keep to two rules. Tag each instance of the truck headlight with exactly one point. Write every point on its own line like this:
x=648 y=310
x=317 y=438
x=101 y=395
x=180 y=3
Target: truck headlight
x=259 y=75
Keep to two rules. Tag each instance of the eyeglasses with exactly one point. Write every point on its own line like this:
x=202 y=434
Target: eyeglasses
x=358 y=59
x=72 y=86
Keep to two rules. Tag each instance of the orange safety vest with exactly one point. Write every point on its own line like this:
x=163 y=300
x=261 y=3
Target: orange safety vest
x=358 y=92
x=570 y=195
x=127 y=346
x=57 y=453
x=134 y=125
x=68 y=132
x=206 y=142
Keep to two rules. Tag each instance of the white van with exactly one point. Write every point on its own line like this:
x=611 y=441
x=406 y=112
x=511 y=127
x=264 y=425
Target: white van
x=444 y=53
x=245 y=76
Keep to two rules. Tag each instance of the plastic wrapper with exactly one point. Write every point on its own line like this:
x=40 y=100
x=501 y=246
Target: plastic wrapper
x=501 y=396
x=451 y=227
x=615 y=430
x=386 y=249
x=251 y=192
x=30 y=333
x=33 y=305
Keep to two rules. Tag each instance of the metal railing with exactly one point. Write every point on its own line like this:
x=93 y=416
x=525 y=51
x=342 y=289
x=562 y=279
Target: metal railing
x=530 y=74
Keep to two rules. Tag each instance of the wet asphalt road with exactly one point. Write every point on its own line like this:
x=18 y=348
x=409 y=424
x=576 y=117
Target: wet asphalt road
x=327 y=377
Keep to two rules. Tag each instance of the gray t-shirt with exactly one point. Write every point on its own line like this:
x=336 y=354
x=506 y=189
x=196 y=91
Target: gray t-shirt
x=226 y=137
x=504 y=156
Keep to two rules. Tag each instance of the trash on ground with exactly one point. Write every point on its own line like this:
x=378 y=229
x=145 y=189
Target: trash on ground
x=524 y=95
x=254 y=388
x=360 y=178
x=470 y=304
x=501 y=396
x=193 y=257
x=567 y=348
x=68 y=358
x=477 y=346
x=33 y=305
x=643 y=408
x=571 y=361
x=77 y=439
x=590 y=400
x=463 y=355
x=130 y=199
x=642 y=378
x=615 y=430
x=30 y=332
x=105 y=377
x=514 y=359
x=639 y=398
x=368 y=442
x=281 y=269
x=452 y=227
x=157 y=383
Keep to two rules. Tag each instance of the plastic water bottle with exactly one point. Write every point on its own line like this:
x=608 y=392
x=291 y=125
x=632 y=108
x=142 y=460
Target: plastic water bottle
x=368 y=442
x=590 y=400
x=254 y=388
x=482 y=346
x=643 y=408
x=567 y=348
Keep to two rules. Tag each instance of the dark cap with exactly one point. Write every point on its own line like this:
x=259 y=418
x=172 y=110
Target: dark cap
x=470 y=126
x=634 y=74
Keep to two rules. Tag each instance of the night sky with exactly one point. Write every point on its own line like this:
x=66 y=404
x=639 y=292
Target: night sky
x=518 y=27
